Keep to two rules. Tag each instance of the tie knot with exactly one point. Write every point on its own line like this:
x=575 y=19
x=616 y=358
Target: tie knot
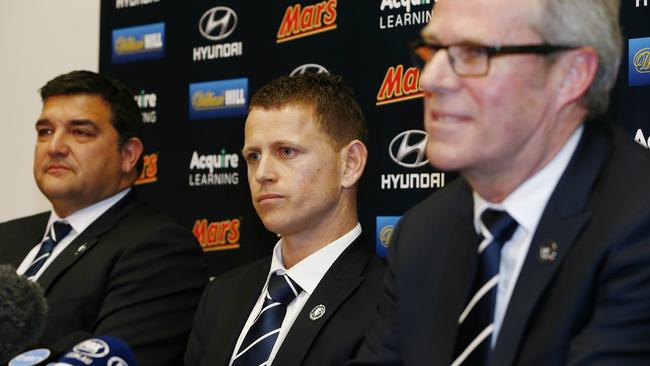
x=59 y=230
x=283 y=289
x=500 y=224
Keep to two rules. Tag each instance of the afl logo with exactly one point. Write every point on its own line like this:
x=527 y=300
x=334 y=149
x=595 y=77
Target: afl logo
x=408 y=149
x=218 y=23
x=314 y=68
x=385 y=234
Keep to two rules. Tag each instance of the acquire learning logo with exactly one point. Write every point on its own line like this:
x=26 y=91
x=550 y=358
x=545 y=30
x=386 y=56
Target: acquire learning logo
x=639 y=61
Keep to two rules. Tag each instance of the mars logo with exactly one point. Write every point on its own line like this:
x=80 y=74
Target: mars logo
x=217 y=24
x=399 y=85
x=313 y=68
x=408 y=149
x=149 y=173
x=147 y=103
x=639 y=61
x=385 y=228
x=409 y=12
x=138 y=43
x=218 y=235
x=641 y=139
x=305 y=21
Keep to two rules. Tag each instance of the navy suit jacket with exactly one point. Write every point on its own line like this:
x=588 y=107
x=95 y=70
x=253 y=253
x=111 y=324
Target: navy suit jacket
x=590 y=305
x=349 y=290
x=133 y=274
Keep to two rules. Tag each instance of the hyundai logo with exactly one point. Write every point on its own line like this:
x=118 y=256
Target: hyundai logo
x=408 y=149
x=218 y=23
x=315 y=68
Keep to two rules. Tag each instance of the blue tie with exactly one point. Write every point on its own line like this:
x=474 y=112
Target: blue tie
x=258 y=343
x=475 y=325
x=57 y=232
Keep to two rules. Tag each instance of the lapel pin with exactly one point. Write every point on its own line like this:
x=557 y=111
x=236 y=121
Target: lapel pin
x=317 y=312
x=548 y=252
x=81 y=249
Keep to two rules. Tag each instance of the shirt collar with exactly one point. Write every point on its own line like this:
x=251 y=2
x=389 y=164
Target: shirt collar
x=81 y=219
x=527 y=202
x=308 y=272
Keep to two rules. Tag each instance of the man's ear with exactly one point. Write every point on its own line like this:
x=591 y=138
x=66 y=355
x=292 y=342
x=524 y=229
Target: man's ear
x=131 y=152
x=354 y=156
x=578 y=70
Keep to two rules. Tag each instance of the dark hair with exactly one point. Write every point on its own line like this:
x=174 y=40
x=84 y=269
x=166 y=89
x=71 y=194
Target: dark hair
x=125 y=113
x=335 y=109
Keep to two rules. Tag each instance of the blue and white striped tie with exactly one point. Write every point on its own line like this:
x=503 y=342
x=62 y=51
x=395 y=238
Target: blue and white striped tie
x=258 y=343
x=57 y=232
x=475 y=324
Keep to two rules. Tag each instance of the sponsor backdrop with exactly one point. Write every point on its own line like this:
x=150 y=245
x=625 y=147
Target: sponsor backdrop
x=193 y=67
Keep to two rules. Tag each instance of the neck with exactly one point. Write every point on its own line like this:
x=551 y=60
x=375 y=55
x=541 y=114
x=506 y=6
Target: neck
x=497 y=181
x=300 y=245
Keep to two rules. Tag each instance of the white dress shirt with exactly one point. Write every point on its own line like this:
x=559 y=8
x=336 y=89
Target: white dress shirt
x=307 y=274
x=79 y=221
x=526 y=205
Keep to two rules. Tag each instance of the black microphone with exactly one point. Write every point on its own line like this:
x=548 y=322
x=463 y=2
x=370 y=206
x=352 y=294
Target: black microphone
x=23 y=312
x=97 y=351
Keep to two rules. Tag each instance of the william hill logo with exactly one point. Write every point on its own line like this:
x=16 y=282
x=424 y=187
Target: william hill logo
x=149 y=173
x=138 y=43
x=399 y=85
x=639 y=61
x=302 y=21
x=217 y=235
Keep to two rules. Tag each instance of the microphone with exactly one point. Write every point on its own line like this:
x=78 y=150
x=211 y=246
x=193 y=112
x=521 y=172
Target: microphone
x=23 y=313
x=98 y=351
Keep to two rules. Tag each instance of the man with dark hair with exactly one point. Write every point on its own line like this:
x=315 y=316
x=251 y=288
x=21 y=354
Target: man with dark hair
x=108 y=264
x=540 y=253
x=311 y=301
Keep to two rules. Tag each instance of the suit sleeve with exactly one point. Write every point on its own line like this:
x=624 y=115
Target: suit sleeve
x=195 y=348
x=381 y=345
x=152 y=294
x=619 y=330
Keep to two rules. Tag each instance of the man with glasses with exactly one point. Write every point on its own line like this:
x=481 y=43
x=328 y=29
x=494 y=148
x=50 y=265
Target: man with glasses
x=540 y=253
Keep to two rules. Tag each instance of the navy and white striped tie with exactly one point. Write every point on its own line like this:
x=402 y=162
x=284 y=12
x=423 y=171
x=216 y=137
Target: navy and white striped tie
x=57 y=232
x=258 y=343
x=475 y=323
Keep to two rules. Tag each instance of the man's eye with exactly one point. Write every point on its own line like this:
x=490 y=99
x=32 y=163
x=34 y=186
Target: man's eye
x=43 y=131
x=252 y=156
x=287 y=152
x=82 y=133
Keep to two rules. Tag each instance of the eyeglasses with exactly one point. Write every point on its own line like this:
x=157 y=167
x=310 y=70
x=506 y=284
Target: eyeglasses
x=472 y=59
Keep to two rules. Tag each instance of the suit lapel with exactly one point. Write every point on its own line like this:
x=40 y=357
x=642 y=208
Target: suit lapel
x=338 y=284
x=233 y=315
x=458 y=250
x=16 y=249
x=564 y=217
x=87 y=239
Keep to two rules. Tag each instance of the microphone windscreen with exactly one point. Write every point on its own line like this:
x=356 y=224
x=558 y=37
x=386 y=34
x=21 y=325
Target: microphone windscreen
x=99 y=351
x=23 y=312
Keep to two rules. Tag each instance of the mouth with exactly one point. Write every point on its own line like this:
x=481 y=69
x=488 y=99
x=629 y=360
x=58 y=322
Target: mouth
x=268 y=198
x=55 y=168
x=447 y=117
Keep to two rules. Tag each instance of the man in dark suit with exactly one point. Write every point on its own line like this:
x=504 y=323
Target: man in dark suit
x=305 y=149
x=108 y=264
x=540 y=253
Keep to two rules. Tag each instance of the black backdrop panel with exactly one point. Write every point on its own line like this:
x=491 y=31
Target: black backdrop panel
x=193 y=168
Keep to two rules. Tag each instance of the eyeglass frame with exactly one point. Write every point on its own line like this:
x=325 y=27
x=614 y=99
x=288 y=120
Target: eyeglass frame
x=489 y=51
